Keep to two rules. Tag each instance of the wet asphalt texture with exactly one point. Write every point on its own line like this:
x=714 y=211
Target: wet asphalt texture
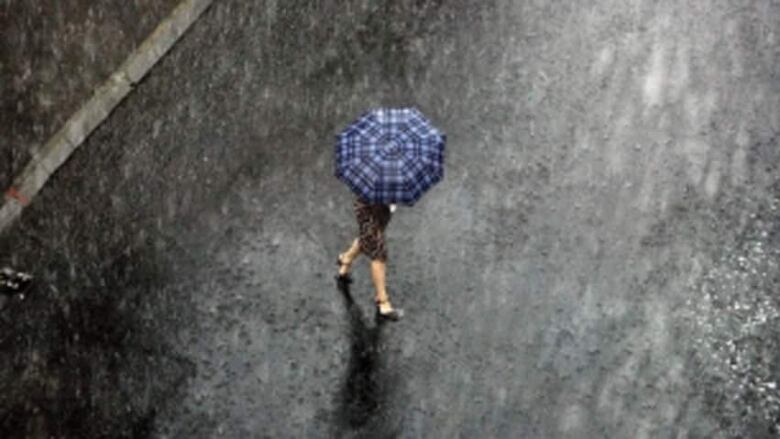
x=600 y=259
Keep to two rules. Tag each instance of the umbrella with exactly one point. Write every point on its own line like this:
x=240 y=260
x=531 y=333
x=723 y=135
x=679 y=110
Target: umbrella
x=390 y=155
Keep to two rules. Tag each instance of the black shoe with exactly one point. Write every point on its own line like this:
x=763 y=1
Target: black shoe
x=394 y=314
x=342 y=278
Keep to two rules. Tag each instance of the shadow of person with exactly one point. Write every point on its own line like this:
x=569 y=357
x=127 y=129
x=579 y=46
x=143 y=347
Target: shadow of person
x=362 y=395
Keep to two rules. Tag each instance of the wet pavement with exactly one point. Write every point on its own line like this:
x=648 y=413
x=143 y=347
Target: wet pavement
x=599 y=260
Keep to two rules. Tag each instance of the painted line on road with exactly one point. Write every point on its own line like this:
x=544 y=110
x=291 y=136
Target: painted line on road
x=83 y=122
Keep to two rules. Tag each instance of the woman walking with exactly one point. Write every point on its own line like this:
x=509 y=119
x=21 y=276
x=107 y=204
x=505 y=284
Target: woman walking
x=386 y=156
x=372 y=221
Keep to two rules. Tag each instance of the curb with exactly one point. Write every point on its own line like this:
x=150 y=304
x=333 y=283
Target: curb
x=106 y=97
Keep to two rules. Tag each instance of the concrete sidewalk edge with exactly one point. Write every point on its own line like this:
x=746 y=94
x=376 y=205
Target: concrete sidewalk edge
x=83 y=122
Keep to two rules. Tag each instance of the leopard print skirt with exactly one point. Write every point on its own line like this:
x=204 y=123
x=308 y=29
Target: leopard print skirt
x=372 y=220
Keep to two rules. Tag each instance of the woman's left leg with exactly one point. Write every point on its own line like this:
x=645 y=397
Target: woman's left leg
x=347 y=257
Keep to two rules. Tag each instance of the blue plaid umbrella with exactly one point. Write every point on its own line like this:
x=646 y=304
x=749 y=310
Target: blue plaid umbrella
x=390 y=155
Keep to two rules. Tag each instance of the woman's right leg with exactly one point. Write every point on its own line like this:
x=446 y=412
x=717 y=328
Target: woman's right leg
x=384 y=307
x=378 y=270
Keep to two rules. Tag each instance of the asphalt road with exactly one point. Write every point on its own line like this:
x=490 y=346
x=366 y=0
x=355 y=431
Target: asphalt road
x=600 y=259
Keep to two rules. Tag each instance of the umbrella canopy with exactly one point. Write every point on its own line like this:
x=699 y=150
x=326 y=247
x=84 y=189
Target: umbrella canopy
x=390 y=155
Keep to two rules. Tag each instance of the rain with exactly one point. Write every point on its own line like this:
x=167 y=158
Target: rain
x=596 y=253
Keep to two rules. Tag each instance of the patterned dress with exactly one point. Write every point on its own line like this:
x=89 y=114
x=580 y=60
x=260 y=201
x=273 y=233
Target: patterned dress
x=372 y=220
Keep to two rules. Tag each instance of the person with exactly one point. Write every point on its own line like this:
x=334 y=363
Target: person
x=372 y=221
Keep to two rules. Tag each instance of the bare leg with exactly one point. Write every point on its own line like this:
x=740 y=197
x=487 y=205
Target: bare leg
x=378 y=269
x=349 y=256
